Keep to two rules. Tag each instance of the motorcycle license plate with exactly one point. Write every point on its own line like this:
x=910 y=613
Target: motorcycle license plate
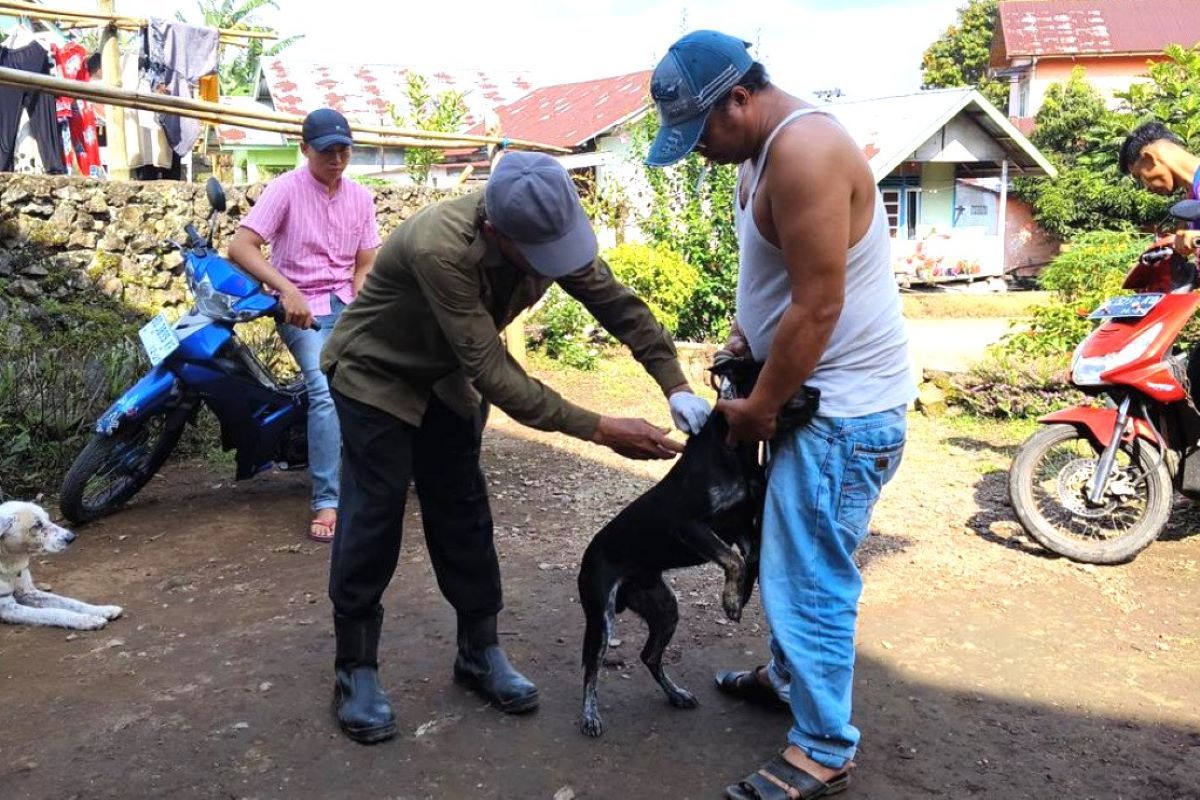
x=1130 y=307
x=158 y=339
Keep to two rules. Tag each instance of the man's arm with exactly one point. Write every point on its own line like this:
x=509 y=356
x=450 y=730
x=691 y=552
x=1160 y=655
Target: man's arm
x=246 y=251
x=810 y=197
x=624 y=315
x=454 y=298
x=364 y=262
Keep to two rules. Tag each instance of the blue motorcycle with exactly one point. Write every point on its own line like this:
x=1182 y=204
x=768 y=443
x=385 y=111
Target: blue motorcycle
x=198 y=361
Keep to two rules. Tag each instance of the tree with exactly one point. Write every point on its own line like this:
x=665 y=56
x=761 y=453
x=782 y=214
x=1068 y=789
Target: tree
x=1172 y=95
x=239 y=73
x=959 y=57
x=1082 y=137
x=443 y=112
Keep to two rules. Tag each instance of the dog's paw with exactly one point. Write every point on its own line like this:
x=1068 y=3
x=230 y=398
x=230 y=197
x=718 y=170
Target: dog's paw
x=591 y=725
x=731 y=603
x=682 y=698
x=88 y=622
x=110 y=612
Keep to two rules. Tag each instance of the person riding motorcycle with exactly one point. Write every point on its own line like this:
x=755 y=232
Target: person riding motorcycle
x=1158 y=160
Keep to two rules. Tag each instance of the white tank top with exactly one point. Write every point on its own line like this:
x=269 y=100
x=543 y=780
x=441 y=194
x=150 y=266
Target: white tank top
x=865 y=367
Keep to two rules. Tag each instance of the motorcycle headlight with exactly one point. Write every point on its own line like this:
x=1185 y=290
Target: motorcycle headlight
x=1086 y=371
x=218 y=305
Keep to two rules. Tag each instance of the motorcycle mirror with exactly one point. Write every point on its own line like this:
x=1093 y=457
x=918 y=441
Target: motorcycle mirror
x=216 y=195
x=1187 y=210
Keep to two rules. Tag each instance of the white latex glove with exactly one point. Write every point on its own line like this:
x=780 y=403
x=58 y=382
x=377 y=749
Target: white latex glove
x=689 y=412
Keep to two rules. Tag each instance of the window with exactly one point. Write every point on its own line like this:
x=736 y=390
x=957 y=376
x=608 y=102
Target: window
x=891 y=204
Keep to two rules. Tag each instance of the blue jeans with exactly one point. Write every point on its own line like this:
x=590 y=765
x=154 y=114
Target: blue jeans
x=324 y=435
x=822 y=483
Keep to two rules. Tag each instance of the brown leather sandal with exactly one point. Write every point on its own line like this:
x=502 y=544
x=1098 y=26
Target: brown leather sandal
x=780 y=780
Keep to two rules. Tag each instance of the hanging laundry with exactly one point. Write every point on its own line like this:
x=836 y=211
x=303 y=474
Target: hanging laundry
x=38 y=105
x=80 y=117
x=179 y=56
x=146 y=142
x=27 y=159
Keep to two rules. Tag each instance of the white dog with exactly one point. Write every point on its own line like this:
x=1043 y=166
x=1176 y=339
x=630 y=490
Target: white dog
x=26 y=531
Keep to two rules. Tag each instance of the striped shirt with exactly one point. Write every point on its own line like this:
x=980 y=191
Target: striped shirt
x=315 y=237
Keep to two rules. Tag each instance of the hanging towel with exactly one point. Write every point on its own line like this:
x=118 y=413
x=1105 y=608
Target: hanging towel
x=179 y=56
x=145 y=140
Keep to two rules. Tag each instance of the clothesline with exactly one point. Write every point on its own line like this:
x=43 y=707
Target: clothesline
x=217 y=114
x=88 y=19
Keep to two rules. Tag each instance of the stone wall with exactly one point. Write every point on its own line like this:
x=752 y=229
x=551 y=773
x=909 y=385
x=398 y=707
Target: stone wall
x=61 y=236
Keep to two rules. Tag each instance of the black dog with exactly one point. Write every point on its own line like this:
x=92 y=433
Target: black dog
x=707 y=508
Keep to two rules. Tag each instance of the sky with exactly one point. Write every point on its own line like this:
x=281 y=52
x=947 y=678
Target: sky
x=863 y=47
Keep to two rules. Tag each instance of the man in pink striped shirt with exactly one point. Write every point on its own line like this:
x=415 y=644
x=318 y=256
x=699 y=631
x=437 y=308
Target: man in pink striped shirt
x=323 y=237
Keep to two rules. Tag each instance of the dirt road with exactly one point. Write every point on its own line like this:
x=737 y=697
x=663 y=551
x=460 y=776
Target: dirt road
x=986 y=669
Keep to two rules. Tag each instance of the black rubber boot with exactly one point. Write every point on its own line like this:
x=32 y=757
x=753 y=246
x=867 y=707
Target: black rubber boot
x=362 y=709
x=482 y=666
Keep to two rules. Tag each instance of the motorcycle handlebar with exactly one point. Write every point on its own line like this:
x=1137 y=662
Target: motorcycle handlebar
x=280 y=316
x=194 y=238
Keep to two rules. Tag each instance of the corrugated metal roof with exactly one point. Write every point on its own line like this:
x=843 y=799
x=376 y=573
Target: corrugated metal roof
x=1095 y=27
x=235 y=136
x=365 y=92
x=890 y=129
x=572 y=114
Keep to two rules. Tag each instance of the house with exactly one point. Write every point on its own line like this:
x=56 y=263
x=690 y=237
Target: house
x=1038 y=42
x=943 y=160
x=366 y=94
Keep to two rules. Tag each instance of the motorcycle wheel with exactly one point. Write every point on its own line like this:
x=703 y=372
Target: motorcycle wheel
x=112 y=469
x=1048 y=485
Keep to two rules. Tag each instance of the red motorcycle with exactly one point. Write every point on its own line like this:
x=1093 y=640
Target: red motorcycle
x=1097 y=484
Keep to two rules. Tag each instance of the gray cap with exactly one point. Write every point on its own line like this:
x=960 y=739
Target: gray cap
x=531 y=200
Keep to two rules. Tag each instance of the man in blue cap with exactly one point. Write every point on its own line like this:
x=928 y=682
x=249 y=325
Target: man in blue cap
x=323 y=237
x=409 y=364
x=817 y=303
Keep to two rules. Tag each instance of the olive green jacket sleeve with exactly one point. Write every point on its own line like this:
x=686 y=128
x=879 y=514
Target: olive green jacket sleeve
x=454 y=296
x=623 y=314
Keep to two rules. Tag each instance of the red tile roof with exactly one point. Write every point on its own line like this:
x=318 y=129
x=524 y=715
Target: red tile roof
x=572 y=114
x=1093 y=27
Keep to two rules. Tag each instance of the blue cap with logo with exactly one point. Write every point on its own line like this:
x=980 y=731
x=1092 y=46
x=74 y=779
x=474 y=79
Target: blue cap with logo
x=325 y=128
x=696 y=72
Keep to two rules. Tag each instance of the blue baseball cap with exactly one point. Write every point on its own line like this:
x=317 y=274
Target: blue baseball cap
x=696 y=72
x=325 y=128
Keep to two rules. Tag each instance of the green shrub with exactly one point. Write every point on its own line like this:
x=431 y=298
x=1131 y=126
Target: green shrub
x=1089 y=270
x=565 y=330
x=658 y=275
x=562 y=327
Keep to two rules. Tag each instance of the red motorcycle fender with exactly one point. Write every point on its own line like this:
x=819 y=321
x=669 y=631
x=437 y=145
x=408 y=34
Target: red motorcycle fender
x=1098 y=424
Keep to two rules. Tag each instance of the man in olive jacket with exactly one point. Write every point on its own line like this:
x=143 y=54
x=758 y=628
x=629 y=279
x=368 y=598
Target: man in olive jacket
x=409 y=363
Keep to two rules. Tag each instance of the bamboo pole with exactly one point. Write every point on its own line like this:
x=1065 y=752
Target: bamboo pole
x=118 y=155
x=108 y=17
x=248 y=118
